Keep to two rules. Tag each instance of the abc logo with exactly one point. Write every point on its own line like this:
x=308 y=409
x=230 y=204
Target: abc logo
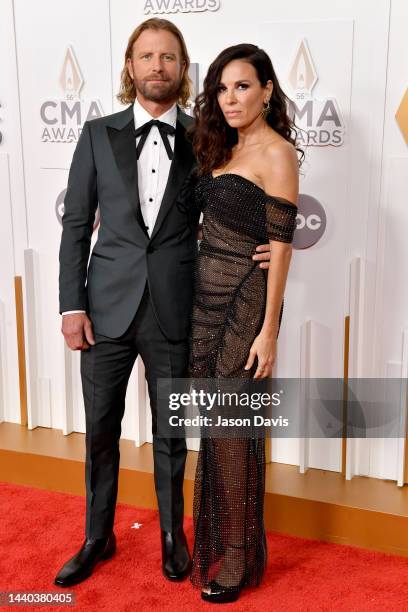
x=59 y=210
x=311 y=222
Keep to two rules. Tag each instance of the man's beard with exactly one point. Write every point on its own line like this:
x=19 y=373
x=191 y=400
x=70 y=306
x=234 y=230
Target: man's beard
x=164 y=92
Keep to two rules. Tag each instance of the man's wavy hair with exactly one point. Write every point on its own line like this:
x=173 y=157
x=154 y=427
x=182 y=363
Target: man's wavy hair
x=211 y=135
x=127 y=91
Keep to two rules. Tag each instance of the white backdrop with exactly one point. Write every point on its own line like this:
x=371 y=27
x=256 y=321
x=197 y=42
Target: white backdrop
x=352 y=204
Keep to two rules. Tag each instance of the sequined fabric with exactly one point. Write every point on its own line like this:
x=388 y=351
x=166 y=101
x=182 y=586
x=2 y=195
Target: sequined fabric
x=228 y=312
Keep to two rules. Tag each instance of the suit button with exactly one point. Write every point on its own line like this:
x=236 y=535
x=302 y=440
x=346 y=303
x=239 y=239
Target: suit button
x=150 y=249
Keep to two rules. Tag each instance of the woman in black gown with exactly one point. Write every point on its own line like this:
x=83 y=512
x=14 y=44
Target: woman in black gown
x=247 y=188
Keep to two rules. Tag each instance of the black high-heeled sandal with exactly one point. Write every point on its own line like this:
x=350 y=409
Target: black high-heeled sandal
x=223 y=594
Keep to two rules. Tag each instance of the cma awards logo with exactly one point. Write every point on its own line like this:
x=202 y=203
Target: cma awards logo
x=321 y=119
x=59 y=210
x=62 y=119
x=180 y=6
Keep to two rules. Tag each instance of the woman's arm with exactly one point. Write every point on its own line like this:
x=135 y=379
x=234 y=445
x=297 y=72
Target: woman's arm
x=279 y=174
x=281 y=255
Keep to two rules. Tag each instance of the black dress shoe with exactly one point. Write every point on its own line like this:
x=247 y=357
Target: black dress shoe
x=176 y=560
x=221 y=594
x=82 y=564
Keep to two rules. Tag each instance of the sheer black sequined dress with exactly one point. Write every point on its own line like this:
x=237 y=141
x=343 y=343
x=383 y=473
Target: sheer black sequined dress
x=228 y=313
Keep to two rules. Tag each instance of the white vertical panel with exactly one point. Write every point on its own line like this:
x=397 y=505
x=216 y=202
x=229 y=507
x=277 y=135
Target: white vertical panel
x=391 y=298
x=305 y=359
x=11 y=397
x=148 y=414
x=135 y=425
x=83 y=28
x=68 y=413
x=390 y=249
x=375 y=90
x=44 y=393
x=358 y=449
x=3 y=353
x=32 y=338
x=384 y=451
x=11 y=141
x=355 y=284
x=318 y=453
x=78 y=400
x=401 y=442
x=193 y=444
x=13 y=226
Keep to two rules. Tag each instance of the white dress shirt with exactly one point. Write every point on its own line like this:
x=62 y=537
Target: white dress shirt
x=153 y=166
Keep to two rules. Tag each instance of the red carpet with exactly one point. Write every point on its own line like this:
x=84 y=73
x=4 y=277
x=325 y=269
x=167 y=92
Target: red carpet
x=40 y=530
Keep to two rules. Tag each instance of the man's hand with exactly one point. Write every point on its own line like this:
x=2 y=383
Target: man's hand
x=263 y=254
x=77 y=331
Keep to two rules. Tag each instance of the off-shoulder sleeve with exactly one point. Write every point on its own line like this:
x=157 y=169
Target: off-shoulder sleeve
x=280 y=219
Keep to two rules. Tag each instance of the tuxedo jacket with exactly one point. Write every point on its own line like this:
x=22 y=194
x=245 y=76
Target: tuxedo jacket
x=125 y=258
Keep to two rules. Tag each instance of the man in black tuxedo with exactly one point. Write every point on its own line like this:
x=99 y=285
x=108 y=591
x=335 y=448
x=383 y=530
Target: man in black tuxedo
x=135 y=297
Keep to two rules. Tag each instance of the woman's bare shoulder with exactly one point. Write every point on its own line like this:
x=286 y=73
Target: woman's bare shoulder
x=278 y=148
x=278 y=169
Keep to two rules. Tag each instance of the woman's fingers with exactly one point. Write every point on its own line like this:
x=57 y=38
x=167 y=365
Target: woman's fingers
x=264 y=369
x=251 y=359
x=265 y=360
x=260 y=372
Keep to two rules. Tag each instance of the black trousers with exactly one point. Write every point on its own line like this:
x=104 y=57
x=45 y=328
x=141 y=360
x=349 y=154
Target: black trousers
x=105 y=372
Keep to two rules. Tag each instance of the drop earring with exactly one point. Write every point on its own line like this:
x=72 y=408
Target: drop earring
x=267 y=107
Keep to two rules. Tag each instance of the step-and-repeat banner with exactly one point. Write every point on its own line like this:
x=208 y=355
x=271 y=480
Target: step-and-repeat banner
x=346 y=300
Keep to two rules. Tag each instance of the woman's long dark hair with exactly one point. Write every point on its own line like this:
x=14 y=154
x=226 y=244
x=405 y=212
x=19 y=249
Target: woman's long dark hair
x=212 y=137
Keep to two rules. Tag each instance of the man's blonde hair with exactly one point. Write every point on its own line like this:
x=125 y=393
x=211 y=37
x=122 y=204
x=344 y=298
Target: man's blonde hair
x=127 y=92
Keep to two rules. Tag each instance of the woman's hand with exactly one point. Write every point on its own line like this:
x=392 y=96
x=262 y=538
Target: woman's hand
x=264 y=348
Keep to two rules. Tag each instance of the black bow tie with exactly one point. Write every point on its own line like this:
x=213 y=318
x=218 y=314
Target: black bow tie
x=164 y=128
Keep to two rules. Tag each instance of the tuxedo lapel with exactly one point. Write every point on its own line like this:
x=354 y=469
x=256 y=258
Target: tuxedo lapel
x=179 y=169
x=122 y=140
